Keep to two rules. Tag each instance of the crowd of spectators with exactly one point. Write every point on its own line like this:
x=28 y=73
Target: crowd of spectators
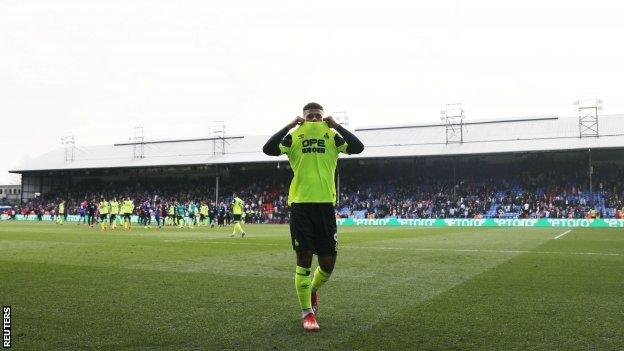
x=540 y=193
x=263 y=203
x=471 y=200
x=378 y=194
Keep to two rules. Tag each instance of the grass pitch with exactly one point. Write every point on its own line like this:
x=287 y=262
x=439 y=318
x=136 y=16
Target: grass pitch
x=72 y=287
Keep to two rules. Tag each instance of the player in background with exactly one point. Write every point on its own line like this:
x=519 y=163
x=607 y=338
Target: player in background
x=127 y=210
x=141 y=212
x=237 y=212
x=158 y=211
x=104 y=208
x=91 y=210
x=192 y=209
x=221 y=215
x=171 y=214
x=60 y=213
x=312 y=149
x=180 y=211
x=203 y=214
x=122 y=210
x=114 y=211
x=163 y=212
x=146 y=213
x=213 y=214
x=83 y=212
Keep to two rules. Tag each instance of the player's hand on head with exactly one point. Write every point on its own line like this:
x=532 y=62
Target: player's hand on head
x=295 y=122
x=330 y=122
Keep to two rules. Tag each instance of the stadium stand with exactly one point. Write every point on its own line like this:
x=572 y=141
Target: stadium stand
x=514 y=168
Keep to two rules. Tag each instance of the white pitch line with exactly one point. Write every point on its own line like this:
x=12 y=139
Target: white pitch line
x=562 y=234
x=482 y=250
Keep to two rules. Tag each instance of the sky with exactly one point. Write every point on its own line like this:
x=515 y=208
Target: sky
x=97 y=69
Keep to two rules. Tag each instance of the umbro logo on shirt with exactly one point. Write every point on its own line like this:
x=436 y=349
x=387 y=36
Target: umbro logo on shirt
x=300 y=136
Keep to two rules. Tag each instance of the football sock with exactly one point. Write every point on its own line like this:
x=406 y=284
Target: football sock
x=320 y=278
x=237 y=228
x=304 y=289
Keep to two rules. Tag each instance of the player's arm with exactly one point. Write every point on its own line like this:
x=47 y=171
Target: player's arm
x=272 y=147
x=354 y=145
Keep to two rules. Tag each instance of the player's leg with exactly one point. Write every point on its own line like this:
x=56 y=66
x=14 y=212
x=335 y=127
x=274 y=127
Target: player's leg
x=303 y=281
x=321 y=275
x=238 y=228
x=235 y=229
x=304 y=290
x=301 y=239
x=326 y=239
